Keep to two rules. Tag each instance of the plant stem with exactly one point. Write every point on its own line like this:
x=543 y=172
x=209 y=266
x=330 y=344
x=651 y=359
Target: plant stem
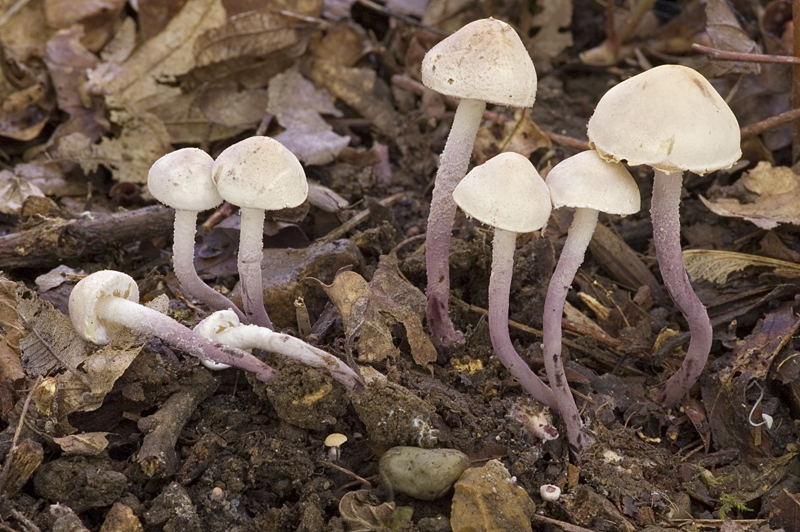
x=183 y=264
x=452 y=168
x=665 y=215
x=499 y=290
x=578 y=238
x=144 y=320
x=251 y=244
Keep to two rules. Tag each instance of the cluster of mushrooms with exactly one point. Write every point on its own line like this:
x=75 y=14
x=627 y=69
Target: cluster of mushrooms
x=669 y=118
x=257 y=174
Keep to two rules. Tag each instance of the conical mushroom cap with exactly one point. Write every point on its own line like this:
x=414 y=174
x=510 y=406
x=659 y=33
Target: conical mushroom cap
x=260 y=173
x=586 y=180
x=83 y=302
x=182 y=180
x=485 y=60
x=669 y=117
x=505 y=192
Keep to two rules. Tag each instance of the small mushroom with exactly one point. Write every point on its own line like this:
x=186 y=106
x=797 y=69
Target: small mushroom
x=224 y=326
x=106 y=301
x=672 y=119
x=589 y=184
x=182 y=180
x=257 y=174
x=485 y=61
x=334 y=442
x=507 y=193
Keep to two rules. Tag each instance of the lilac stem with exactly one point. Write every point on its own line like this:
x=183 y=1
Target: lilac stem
x=251 y=247
x=665 y=215
x=452 y=168
x=183 y=264
x=144 y=320
x=225 y=328
x=499 y=290
x=578 y=238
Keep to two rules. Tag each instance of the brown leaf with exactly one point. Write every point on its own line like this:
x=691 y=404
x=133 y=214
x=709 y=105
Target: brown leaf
x=370 y=309
x=776 y=197
x=98 y=17
x=68 y=62
x=84 y=444
x=14 y=191
x=521 y=135
x=297 y=105
x=727 y=34
x=363 y=513
x=140 y=82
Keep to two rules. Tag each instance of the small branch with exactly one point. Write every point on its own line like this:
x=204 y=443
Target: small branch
x=770 y=123
x=724 y=55
x=360 y=218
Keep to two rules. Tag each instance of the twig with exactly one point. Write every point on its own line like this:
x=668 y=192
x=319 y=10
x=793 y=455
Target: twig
x=725 y=55
x=346 y=471
x=13 y=450
x=408 y=20
x=359 y=218
x=770 y=123
x=561 y=524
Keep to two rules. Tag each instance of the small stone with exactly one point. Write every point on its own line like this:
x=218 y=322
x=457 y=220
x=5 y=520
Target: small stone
x=422 y=473
x=487 y=499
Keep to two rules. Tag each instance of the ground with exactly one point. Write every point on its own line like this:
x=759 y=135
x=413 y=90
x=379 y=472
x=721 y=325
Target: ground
x=138 y=435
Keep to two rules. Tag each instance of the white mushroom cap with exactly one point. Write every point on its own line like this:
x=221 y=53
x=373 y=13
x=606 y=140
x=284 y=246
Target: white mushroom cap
x=213 y=325
x=485 y=60
x=260 y=173
x=586 y=180
x=335 y=440
x=669 y=117
x=84 y=298
x=182 y=180
x=505 y=192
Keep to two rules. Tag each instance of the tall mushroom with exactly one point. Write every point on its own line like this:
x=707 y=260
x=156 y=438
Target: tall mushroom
x=182 y=180
x=106 y=301
x=670 y=118
x=507 y=193
x=485 y=61
x=257 y=174
x=589 y=184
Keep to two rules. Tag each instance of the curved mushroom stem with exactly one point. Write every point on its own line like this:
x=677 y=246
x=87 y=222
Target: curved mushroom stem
x=578 y=238
x=251 y=247
x=185 y=227
x=145 y=320
x=665 y=215
x=254 y=337
x=499 y=289
x=452 y=168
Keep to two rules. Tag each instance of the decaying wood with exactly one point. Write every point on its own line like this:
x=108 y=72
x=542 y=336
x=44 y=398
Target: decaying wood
x=57 y=240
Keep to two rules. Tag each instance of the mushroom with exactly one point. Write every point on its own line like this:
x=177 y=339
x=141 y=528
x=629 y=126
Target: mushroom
x=106 y=301
x=257 y=174
x=182 y=180
x=507 y=193
x=589 y=184
x=671 y=118
x=485 y=61
x=334 y=443
x=223 y=326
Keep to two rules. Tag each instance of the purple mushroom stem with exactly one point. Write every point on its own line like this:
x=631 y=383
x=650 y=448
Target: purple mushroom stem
x=452 y=168
x=148 y=321
x=183 y=264
x=499 y=290
x=578 y=238
x=665 y=215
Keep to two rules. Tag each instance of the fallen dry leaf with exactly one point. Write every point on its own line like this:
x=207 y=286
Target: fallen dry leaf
x=776 y=198
x=297 y=105
x=521 y=135
x=99 y=18
x=553 y=19
x=369 y=310
x=365 y=513
x=143 y=140
x=14 y=191
x=716 y=266
x=727 y=34
x=84 y=444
